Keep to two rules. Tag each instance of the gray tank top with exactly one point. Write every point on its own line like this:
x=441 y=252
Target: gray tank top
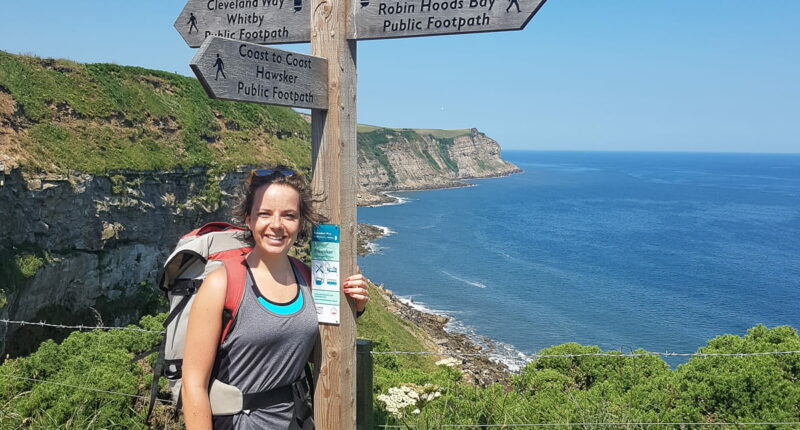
x=266 y=350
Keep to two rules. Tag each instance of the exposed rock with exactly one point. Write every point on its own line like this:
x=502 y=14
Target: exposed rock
x=476 y=370
x=98 y=247
x=365 y=235
x=418 y=161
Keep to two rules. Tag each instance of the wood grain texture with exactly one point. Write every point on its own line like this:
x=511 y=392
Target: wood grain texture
x=257 y=21
x=334 y=182
x=411 y=18
x=233 y=70
x=364 y=364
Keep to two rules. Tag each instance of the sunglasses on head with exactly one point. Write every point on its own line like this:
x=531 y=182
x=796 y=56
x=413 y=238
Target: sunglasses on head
x=270 y=172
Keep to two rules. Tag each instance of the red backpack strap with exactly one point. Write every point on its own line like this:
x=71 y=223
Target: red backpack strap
x=304 y=270
x=236 y=270
x=211 y=227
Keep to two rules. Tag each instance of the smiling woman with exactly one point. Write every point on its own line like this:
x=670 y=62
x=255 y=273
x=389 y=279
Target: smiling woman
x=258 y=370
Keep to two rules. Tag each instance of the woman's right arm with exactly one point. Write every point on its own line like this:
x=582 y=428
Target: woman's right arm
x=202 y=342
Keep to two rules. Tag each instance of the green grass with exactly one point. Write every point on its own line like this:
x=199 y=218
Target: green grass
x=370 y=143
x=98 y=118
x=443 y=146
x=444 y=134
x=29 y=264
x=364 y=128
x=391 y=333
x=437 y=133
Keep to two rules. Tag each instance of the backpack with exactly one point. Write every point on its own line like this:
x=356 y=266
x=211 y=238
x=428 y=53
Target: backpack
x=197 y=254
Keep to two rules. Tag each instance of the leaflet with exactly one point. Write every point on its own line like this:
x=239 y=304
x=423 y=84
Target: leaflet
x=325 y=273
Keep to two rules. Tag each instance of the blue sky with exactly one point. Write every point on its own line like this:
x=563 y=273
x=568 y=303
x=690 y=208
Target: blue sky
x=647 y=75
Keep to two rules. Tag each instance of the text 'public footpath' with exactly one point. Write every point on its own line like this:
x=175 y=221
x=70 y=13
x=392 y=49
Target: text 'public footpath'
x=263 y=86
x=470 y=22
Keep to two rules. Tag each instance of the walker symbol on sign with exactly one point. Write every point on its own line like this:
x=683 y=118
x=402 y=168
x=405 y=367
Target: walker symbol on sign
x=192 y=23
x=220 y=66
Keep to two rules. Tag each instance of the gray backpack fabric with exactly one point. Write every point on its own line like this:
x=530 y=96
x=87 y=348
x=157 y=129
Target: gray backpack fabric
x=197 y=254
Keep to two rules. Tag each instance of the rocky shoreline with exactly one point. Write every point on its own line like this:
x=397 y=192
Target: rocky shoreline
x=371 y=198
x=476 y=370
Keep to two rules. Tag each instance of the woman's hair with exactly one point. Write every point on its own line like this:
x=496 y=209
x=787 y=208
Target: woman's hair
x=297 y=181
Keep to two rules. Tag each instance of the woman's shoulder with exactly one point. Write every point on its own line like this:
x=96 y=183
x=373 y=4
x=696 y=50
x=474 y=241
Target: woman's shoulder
x=215 y=285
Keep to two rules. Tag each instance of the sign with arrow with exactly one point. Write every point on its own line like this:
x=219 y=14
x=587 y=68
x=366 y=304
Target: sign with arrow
x=408 y=18
x=265 y=22
x=233 y=70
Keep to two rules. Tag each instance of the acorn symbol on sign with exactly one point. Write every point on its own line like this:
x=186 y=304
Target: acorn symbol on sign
x=298 y=5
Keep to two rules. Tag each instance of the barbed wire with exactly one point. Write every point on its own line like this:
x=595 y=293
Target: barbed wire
x=85 y=388
x=605 y=424
x=79 y=327
x=590 y=354
x=451 y=354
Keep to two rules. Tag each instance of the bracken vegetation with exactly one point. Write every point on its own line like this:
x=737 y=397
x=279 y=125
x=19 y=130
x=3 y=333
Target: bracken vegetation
x=414 y=392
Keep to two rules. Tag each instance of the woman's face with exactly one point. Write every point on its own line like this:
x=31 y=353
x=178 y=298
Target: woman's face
x=274 y=218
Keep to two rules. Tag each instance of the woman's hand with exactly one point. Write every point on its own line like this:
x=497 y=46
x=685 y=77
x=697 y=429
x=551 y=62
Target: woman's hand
x=356 y=288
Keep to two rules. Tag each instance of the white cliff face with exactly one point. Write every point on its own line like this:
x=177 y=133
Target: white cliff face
x=413 y=161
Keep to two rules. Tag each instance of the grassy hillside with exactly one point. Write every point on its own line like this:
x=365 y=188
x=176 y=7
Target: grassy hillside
x=58 y=114
x=437 y=133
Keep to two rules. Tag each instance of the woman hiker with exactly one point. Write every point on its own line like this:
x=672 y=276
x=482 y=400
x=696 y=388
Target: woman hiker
x=275 y=328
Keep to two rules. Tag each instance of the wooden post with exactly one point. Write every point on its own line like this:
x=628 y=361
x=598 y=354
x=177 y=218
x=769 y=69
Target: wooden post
x=333 y=134
x=364 y=413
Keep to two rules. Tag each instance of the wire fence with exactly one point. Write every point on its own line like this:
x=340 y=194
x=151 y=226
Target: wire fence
x=78 y=327
x=78 y=387
x=451 y=354
x=593 y=354
x=599 y=424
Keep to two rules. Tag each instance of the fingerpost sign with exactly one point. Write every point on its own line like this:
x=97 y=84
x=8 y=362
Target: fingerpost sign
x=393 y=19
x=241 y=71
x=257 y=21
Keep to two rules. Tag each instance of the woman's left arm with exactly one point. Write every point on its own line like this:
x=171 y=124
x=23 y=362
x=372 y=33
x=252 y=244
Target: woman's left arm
x=356 y=287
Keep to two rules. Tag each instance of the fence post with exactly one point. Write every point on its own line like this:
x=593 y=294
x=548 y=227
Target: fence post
x=364 y=414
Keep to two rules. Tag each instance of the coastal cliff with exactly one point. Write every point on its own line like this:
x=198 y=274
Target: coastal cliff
x=85 y=249
x=103 y=167
x=409 y=159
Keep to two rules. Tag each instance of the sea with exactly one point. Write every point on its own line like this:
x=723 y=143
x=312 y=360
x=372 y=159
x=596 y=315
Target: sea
x=624 y=250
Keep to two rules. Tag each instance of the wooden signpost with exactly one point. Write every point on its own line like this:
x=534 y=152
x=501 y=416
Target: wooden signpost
x=231 y=68
x=240 y=71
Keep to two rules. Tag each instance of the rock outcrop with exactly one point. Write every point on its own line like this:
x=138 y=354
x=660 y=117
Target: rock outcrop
x=99 y=242
x=395 y=160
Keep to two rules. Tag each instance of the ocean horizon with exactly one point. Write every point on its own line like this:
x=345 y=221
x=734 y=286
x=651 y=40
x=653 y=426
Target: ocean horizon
x=624 y=250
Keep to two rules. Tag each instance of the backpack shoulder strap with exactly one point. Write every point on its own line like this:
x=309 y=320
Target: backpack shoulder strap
x=304 y=270
x=236 y=271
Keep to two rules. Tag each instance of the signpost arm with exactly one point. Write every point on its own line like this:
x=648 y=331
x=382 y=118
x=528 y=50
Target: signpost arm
x=334 y=183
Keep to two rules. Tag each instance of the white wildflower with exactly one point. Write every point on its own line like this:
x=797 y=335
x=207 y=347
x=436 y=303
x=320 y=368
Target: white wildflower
x=400 y=400
x=449 y=362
